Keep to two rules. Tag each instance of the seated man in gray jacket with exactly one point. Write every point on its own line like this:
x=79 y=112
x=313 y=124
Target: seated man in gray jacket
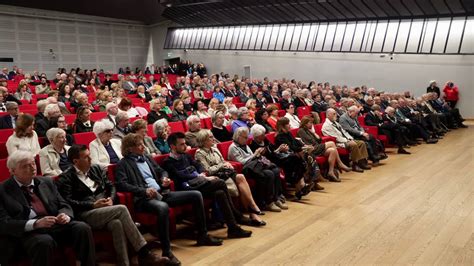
x=349 y=123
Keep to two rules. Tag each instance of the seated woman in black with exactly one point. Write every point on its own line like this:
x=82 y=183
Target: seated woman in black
x=284 y=136
x=261 y=117
x=155 y=113
x=219 y=131
x=292 y=164
x=179 y=113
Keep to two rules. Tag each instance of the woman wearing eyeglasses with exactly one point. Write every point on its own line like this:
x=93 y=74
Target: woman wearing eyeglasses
x=105 y=150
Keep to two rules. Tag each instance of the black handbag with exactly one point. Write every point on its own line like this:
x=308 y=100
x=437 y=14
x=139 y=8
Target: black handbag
x=226 y=173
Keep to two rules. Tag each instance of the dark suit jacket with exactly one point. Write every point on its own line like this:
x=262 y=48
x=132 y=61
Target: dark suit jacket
x=76 y=193
x=6 y=122
x=373 y=120
x=41 y=126
x=129 y=178
x=15 y=210
x=79 y=127
x=153 y=116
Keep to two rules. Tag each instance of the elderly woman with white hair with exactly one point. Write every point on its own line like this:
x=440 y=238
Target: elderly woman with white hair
x=162 y=131
x=259 y=168
x=53 y=158
x=156 y=113
x=214 y=164
x=243 y=119
x=219 y=130
x=104 y=149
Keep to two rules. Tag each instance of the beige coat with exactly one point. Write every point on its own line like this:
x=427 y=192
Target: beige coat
x=49 y=161
x=100 y=155
x=211 y=160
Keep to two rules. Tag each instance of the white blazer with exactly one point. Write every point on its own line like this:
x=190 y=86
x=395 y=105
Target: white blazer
x=99 y=154
x=329 y=129
x=294 y=120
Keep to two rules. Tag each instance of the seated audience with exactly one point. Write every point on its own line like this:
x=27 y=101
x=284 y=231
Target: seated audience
x=219 y=131
x=162 y=131
x=214 y=164
x=43 y=87
x=309 y=137
x=24 y=138
x=112 y=111
x=350 y=123
x=22 y=93
x=65 y=94
x=140 y=128
x=35 y=219
x=53 y=158
x=125 y=105
x=122 y=125
x=156 y=113
x=261 y=117
x=91 y=195
x=83 y=121
x=357 y=148
x=242 y=119
x=149 y=184
x=9 y=120
x=178 y=114
x=292 y=164
x=213 y=103
x=104 y=149
x=189 y=175
x=194 y=126
x=272 y=116
x=258 y=167
x=143 y=94
x=200 y=109
x=50 y=112
x=312 y=173
x=218 y=94
x=290 y=114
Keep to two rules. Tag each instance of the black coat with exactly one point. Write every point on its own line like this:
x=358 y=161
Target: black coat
x=6 y=122
x=76 y=193
x=154 y=116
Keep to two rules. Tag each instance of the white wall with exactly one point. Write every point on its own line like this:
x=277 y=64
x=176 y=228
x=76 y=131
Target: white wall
x=27 y=35
x=412 y=72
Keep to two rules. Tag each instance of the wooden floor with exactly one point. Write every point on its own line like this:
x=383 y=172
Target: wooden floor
x=414 y=209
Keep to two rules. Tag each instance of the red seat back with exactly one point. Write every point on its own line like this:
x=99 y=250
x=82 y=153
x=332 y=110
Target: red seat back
x=160 y=158
x=111 y=172
x=84 y=138
x=70 y=118
x=293 y=131
x=281 y=113
x=318 y=129
x=303 y=111
x=322 y=117
x=150 y=132
x=96 y=116
x=361 y=120
x=5 y=134
x=3 y=150
x=176 y=126
x=206 y=123
x=4 y=172
x=223 y=147
x=271 y=137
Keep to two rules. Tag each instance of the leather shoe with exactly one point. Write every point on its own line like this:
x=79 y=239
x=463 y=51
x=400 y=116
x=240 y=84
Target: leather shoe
x=357 y=169
x=375 y=163
x=272 y=207
x=238 y=232
x=172 y=260
x=332 y=178
x=383 y=156
x=152 y=259
x=257 y=223
x=317 y=187
x=462 y=125
x=431 y=141
x=208 y=240
x=403 y=151
x=364 y=166
x=281 y=205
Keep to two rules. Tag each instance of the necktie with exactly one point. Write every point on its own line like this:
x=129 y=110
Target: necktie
x=35 y=202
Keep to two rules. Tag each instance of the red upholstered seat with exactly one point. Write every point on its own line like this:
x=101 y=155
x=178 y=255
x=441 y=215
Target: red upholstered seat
x=177 y=126
x=303 y=111
x=84 y=138
x=5 y=134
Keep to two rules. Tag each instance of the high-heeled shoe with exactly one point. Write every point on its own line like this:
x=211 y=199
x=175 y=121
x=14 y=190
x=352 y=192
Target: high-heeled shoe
x=345 y=168
x=251 y=210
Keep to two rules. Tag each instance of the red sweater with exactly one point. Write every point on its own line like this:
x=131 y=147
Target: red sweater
x=451 y=94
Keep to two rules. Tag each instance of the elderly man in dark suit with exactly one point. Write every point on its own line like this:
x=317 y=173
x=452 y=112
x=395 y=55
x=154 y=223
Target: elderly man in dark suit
x=8 y=121
x=149 y=184
x=91 y=195
x=35 y=219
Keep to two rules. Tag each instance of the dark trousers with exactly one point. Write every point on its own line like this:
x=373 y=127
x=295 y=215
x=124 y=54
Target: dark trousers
x=267 y=184
x=161 y=209
x=217 y=190
x=40 y=244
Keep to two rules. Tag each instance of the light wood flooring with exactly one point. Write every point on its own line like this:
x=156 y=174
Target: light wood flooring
x=413 y=209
